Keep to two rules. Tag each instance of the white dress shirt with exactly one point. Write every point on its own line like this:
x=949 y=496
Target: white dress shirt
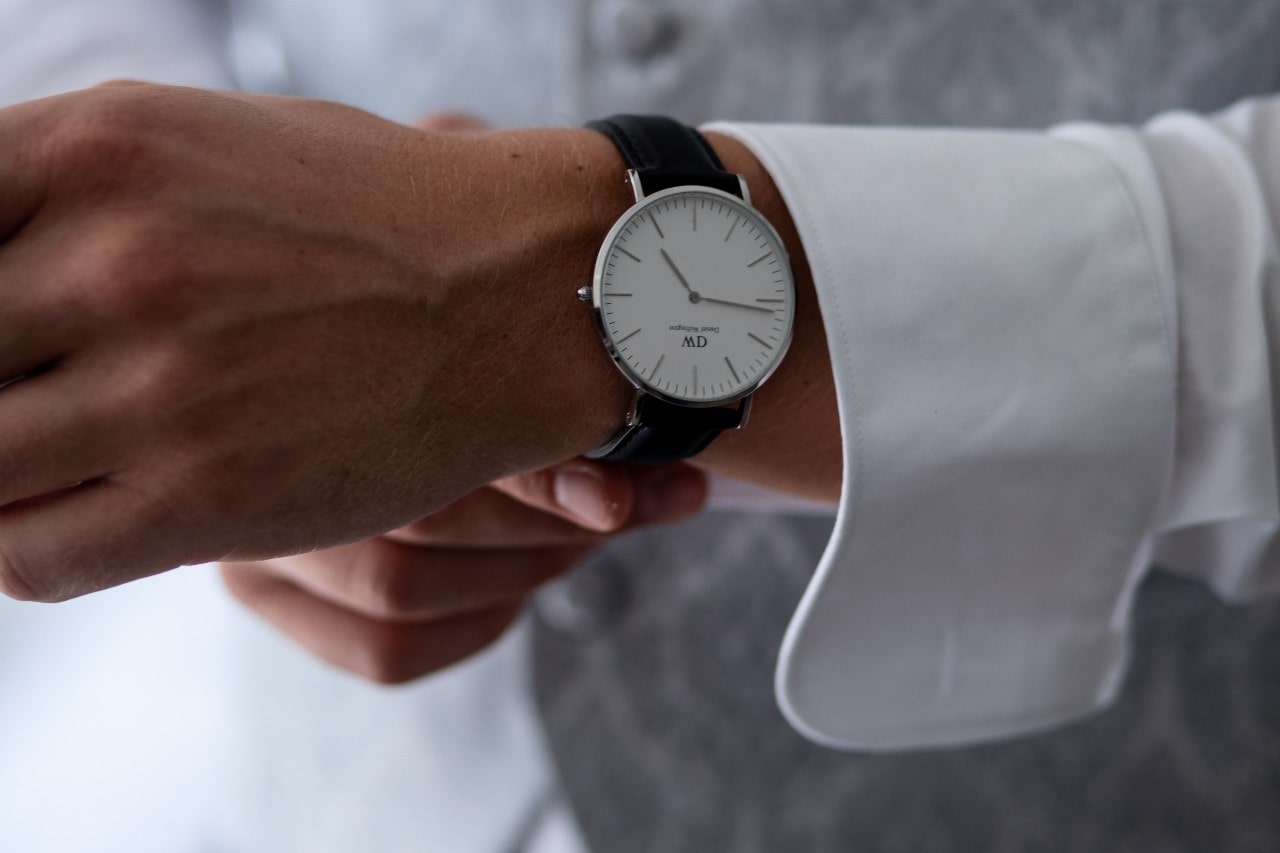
x=1052 y=355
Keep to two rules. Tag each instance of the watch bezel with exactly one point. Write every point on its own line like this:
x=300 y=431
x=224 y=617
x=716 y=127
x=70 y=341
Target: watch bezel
x=597 y=291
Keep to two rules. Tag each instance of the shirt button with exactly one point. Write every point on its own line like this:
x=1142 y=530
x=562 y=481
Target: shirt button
x=636 y=29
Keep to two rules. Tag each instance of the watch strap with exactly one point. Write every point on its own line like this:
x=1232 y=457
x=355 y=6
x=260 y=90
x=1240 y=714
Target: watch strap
x=666 y=153
x=661 y=432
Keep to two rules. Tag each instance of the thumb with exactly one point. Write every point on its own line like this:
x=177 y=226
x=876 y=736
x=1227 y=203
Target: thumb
x=593 y=495
x=607 y=497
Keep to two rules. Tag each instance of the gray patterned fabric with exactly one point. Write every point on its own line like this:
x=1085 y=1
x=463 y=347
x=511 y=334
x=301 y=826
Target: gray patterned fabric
x=660 y=712
x=654 y=662
x=1009 y=63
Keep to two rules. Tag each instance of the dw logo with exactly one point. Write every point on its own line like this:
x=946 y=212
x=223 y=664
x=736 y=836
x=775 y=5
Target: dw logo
x=694 y=341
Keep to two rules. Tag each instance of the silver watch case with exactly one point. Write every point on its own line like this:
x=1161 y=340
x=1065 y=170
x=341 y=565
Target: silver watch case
x=595 y=289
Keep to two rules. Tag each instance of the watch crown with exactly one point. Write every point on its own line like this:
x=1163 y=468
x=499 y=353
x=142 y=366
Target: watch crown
x=584 y=293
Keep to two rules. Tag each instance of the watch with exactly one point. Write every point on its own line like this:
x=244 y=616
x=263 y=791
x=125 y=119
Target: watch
x=693 y=294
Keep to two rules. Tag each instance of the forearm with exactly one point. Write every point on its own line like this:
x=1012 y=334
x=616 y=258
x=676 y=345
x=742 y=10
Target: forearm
x=792 y=443
x=283 y=324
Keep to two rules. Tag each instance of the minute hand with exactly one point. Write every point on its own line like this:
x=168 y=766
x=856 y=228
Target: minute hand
x=737 y=304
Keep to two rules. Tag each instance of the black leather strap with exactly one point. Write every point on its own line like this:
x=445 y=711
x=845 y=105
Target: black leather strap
x=666 y=153
x=665 y=432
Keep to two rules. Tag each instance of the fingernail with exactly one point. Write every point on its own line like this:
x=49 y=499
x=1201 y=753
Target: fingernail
x=676 y=494
x=580 y=491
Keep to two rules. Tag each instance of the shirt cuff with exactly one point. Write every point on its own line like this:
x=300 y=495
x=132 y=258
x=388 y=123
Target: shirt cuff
x=1001 y=319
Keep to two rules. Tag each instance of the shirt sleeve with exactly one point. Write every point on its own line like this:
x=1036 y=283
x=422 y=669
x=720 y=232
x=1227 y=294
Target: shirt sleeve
x=1053 y=354
x=52 y=46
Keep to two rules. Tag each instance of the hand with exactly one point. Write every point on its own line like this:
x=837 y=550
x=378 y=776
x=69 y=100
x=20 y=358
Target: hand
x=238 y=327
x=394 y=608
x=244 y=327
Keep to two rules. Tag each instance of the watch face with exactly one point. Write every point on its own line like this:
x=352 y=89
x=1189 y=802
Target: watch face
x=694 y=296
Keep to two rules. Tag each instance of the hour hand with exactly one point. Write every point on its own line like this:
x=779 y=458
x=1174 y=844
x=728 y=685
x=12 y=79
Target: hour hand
x=692 y=293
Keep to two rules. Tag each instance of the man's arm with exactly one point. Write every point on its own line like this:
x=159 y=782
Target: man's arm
x=287 y=324
x=247 y=327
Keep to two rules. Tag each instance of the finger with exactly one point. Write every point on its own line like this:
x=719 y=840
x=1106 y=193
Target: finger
x=540 y=512
x=79 y=540
x=43 y=311
x=452 y=122
x=665 y=494
x=383 y=652
x=610 y=497
x=595 y=495
x=389 y=581
x=51 y=436
x=488 y=518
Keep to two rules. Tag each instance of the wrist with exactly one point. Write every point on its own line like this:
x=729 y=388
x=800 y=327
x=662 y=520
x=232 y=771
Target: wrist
x=543 y=199
x=793 y=443
x=549 y=197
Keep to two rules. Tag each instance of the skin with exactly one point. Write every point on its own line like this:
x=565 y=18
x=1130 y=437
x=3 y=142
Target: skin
x=249 y=327
x=399 y=606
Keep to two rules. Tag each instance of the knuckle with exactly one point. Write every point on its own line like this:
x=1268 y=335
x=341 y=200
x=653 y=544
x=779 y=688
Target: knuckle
x=425 y=531
x=128 y=269
x=153 y=386
x=99 y=136
x=536 y=488
x=384 y=589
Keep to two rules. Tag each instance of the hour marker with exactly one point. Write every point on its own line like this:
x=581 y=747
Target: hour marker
x=731 y=370
x=654 y=220
x=770 y=300
x=611 y=295
x=749 y=335
x=654 y=372
x=731 y=227
x=759 y=259
x=631 y=335
x=629 y=255
x=695 y=378
x=695 y=216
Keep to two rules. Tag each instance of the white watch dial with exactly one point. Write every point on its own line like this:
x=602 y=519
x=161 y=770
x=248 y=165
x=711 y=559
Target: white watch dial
x=694 y=296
